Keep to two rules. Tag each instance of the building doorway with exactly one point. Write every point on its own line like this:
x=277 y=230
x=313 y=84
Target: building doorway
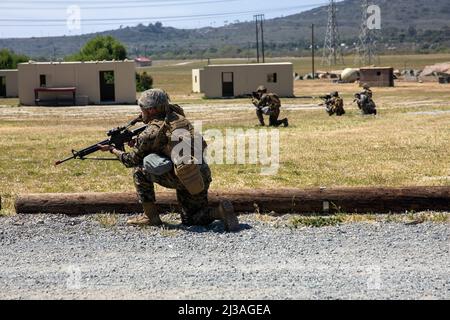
x=107 y=87
x=227 y=84
x=2 y=86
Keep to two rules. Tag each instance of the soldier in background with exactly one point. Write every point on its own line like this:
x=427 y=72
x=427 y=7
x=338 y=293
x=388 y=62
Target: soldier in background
x=268 y=104
x=367 y=92
x=365 y=101
x=334 y=104
x=154 y=162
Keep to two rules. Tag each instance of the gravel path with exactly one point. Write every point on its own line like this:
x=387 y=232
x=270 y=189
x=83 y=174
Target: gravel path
x=64 y=257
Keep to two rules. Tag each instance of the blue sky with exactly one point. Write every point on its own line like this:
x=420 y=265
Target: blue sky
x=27 y=18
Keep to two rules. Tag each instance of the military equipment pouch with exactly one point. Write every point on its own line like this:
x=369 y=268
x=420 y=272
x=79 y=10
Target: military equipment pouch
x=190 y=176
x=157 y=165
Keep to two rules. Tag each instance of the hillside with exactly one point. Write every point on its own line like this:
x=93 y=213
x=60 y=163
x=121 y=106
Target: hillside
x=421 y=25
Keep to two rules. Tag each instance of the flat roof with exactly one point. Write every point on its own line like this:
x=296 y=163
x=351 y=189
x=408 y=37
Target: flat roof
x=250 y=64
x=9 y=70
x=376 y=68
x=76 y=62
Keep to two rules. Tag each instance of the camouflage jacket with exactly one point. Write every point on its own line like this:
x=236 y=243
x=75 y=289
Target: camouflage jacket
x=368 y=93
x=270 y=100
x=156 y=139
x=149 y=141
x=337 y=102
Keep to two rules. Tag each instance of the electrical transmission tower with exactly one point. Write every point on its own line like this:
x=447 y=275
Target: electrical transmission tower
x=366 y=49
x=332 y=52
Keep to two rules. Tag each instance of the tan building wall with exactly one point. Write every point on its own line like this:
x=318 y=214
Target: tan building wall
x=12 y=82
x=245 y=78
x=85 y=76
x=377 y=77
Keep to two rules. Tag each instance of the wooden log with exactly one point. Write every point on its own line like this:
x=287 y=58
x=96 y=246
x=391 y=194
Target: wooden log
x=316 y=200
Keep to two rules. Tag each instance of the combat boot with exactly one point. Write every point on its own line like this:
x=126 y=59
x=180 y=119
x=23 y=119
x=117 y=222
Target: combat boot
x=150 y=217
x=225 y=213
x=285 y=122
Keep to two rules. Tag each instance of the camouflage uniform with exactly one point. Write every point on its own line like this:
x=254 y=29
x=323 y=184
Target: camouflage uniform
x=367 y=92
x=338 y=105
x=367 y=106
x=335 y=104
x=195 y=209
x=272 y=101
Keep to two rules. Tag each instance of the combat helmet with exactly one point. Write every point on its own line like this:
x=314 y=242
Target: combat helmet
x=154 y=98
x=334 y=94
x=261 y=89
x=366 y=86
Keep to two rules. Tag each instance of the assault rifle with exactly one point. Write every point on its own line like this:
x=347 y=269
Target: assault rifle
x=117 y=138
x=325 y=99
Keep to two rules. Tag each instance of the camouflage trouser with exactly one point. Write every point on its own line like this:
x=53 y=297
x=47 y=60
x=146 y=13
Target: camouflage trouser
x=195 y=210
x=273 y=118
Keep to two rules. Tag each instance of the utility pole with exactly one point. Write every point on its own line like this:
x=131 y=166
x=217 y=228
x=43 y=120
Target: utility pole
x=262 y=37
x=54 y=53
x=257 y=39
x=313 y=52
x=259 y=22
x=332 y=52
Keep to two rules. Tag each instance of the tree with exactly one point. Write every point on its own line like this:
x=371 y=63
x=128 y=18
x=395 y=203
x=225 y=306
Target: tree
x=9 y=60
x=144 y=81
x=100 y=48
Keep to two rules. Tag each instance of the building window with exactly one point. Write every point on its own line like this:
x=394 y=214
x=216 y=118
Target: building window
x=272 y=78
x=379 y=73
x=42 y=81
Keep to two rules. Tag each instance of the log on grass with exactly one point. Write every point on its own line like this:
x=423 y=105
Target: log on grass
x=302 y=201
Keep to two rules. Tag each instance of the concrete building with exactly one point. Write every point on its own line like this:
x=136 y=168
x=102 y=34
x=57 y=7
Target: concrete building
x=77 y=83
x=377 y=77
x=234 y=80
x=9 y=84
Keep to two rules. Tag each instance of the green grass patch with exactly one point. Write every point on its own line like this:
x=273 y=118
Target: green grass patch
x=315 y=221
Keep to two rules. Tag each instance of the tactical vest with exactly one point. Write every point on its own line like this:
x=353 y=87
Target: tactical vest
x=176 y=129
x=338 y=102
x=273 y=100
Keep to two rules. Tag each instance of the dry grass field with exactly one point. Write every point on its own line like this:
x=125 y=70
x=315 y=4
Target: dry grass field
x=408 y=144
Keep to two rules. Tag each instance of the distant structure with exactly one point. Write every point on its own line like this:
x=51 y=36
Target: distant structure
x=240 y=80
x=77 y=83
x=377 y=77
x=142 y=62
x=332 y=52
x=366 y=49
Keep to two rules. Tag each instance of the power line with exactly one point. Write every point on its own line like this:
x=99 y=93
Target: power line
x=121 y=6
x=31 y=20
x=69 y=2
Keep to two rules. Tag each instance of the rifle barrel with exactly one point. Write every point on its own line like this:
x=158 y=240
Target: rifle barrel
x=57 y=163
